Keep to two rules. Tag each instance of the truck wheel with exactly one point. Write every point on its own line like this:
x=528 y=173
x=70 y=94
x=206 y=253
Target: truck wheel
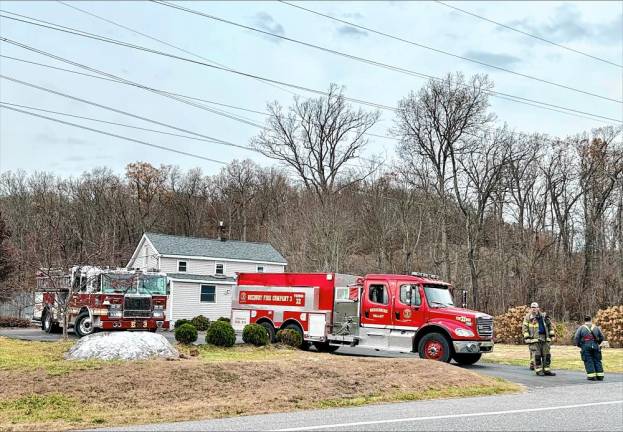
x=83 y=326
x=305 y=345
x=325 y=347
x=434 y=346
x=47 y=323
x=466 y=359
x=270 y=330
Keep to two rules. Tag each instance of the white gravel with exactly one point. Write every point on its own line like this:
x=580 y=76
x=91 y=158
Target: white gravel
x=122 y=345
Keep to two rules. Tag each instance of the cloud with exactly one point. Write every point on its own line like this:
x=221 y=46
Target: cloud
x=266 y=22
x=568 y=25
x=352 y=15
x=50 y=138
x=502 y=60
x=349 y=31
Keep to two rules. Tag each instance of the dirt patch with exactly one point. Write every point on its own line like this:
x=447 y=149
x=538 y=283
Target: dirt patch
x=158 y=390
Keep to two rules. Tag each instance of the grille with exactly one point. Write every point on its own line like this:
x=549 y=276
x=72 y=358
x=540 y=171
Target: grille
x=137 y=307
x=485 y=326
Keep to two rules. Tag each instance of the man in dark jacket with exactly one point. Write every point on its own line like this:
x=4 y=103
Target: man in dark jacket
x=588 y=337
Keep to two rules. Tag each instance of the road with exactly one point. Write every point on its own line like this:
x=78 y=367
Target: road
x=564 y=402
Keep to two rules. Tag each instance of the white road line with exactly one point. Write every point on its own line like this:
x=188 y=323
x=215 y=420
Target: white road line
x=413 y=419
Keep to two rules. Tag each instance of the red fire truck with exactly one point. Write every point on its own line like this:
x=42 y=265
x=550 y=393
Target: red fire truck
x=101 y=299
x=404 y=313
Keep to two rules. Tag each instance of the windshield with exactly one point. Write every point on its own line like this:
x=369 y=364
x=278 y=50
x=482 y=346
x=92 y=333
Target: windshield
x=438 y=296
x=117 y=283
x=155 y=285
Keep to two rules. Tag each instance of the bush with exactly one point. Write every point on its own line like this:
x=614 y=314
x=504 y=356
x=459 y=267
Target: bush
x=186 y=333
x=255 y=334
x=611 y=322
x=224 y=319
x=290 y=337
x=181 y=322
x=507 y=327
x=201 y=323
x=14 y=322
x=221 y=334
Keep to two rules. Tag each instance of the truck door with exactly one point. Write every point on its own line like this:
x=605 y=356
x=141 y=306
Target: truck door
x=408 y=306
x=376 y=304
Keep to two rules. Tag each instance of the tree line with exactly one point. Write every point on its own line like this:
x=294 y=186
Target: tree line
x=511 y=217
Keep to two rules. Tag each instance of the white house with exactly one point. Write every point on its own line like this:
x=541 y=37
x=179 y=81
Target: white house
x=202 y=271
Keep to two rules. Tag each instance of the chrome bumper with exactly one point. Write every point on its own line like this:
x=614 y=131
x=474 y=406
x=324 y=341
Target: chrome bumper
x=472 y=347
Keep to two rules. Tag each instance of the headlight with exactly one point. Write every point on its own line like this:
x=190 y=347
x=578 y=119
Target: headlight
x=158 y=314
x=114 y=311
x=463 y=332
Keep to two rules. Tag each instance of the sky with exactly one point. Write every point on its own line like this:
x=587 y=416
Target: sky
x=34 y=144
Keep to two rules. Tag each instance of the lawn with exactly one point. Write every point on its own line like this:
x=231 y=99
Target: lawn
x=563 y=357
x=42 y=391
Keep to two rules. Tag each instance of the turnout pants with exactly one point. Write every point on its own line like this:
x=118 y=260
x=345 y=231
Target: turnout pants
x=540 y=356
x=591 y=356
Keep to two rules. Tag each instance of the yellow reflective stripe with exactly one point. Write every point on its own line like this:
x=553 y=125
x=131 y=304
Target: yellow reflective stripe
x=591 y=375
x=546 y=369
x=599 y=374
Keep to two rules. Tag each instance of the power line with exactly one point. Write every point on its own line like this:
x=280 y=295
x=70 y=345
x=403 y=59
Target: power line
x=114 y=135
x=517 y=99
x=526 y=34
x=369 y=61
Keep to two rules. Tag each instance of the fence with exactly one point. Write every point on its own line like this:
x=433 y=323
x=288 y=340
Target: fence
x=19 y=306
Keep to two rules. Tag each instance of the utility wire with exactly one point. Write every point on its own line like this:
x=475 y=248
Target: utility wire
x=114 y=135
x=374 y=62
x=513 y=98
x=525 y=33
x=158 y=40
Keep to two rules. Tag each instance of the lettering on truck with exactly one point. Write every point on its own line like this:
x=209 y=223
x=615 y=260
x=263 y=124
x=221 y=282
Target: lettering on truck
x=272 y=298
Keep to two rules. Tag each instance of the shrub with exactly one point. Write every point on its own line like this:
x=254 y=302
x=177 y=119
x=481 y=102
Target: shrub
x=14 y=322
x=186 y=333
x=200 y=322
x=224 y=319
x=290 y=337
x=221 y=334
x=255 y=334
x=507 y=327
x=181 y=322
x=611 y=322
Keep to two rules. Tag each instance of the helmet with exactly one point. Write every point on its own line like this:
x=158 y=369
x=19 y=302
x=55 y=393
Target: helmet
x=534 y=305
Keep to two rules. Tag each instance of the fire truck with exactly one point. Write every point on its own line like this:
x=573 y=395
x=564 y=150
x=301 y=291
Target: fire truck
x=389 y=312
x=97 y=298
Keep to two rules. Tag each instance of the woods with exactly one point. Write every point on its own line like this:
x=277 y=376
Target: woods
x=511 y=217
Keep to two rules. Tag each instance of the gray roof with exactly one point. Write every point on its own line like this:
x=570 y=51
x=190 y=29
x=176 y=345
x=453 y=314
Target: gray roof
x=203 y=247
x=202 y=278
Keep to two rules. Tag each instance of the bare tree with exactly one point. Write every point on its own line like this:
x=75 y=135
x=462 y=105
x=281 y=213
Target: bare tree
x=317 y=138
x=432 y=123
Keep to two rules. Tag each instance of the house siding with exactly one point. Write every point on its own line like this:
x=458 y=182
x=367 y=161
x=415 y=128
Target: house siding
x=206 y=267
x=186 y=302
x=147 y=257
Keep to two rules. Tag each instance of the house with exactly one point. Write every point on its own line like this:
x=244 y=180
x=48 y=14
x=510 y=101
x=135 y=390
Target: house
x=201 y=271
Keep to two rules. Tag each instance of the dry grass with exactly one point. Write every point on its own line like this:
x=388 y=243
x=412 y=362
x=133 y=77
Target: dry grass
x=217 y=383
x=563 y=357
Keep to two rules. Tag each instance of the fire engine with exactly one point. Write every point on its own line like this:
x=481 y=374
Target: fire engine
x=390 y=312
x=101 y=299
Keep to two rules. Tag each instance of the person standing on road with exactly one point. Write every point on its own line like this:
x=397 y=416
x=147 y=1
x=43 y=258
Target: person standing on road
x=588 y=337
x=538 y=333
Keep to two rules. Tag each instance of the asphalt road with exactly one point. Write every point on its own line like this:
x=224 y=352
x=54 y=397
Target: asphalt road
x=564 y=402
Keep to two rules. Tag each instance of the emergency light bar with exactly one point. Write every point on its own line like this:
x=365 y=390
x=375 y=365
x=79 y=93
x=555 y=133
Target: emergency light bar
x=425 y=275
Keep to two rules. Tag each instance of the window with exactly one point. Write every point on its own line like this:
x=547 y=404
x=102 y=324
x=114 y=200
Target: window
x=208 y=293
x=341 y=293
x=260 y=269
x=410 y=295
x=378 y=294
x=181 y=266
x=220 y=269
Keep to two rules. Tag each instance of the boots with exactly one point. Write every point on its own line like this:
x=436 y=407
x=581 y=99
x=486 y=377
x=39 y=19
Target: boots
x=550 y=373
x=540 y=373
x=591 y=379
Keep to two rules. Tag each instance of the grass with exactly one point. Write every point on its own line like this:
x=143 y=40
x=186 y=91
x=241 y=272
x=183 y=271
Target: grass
x=563 y=357
x=42 y=391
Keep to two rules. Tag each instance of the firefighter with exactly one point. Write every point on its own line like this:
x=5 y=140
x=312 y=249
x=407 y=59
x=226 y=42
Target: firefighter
x=538 y=333
x=588 y=337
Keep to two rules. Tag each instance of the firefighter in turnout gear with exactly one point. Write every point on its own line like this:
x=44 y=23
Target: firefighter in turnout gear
x=538 y=333
x=588 y=337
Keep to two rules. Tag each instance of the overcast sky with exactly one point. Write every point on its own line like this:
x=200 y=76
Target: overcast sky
x=33 y=144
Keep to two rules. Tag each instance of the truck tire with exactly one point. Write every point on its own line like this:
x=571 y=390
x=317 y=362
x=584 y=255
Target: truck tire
x=325 y=347
x=83 y=326
x=305 y=345
x=47 y=323
x=435 y=346
x=466 y=358
x=270 y=330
